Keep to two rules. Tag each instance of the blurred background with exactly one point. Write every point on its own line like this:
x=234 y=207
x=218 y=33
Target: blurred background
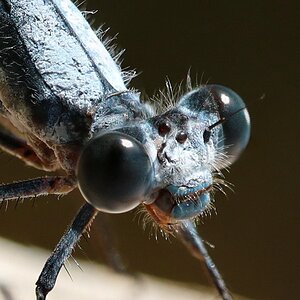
x=251 y=47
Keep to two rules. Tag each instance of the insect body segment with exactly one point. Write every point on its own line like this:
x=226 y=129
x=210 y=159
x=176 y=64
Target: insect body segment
x=64 y=105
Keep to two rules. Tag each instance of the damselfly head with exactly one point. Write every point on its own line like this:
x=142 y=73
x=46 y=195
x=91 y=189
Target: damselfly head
x=170 y=162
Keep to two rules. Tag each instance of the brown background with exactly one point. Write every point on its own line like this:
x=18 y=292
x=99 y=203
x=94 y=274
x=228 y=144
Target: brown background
x=249 y=46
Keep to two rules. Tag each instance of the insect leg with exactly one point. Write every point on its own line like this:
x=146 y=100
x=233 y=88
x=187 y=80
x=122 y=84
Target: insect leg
x=6 y=294
x=108 y=243
x=188 y=235
x=37 y=187
x=18 y=147
x=63 y=250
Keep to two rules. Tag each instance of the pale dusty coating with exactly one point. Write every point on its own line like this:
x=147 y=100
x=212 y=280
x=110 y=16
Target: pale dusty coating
x=82 y=69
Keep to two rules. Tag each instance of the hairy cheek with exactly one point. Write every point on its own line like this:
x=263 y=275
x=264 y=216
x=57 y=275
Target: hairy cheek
x=209 y=156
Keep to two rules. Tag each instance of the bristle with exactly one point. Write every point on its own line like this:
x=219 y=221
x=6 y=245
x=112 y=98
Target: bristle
x=109 y=43
x=79 y=4
x=169 y=96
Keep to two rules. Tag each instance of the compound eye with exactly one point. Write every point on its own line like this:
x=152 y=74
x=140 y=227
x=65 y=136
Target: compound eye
x=114 y=172
x=236 y=120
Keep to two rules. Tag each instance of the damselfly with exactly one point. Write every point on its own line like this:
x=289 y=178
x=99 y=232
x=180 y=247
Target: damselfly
x=65 y=105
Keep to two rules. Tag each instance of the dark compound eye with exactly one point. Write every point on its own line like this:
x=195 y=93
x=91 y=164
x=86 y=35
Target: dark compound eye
x=206 y=135
x=234 y=118
x=164 y=128
x=114 y=172
x=181 y=137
